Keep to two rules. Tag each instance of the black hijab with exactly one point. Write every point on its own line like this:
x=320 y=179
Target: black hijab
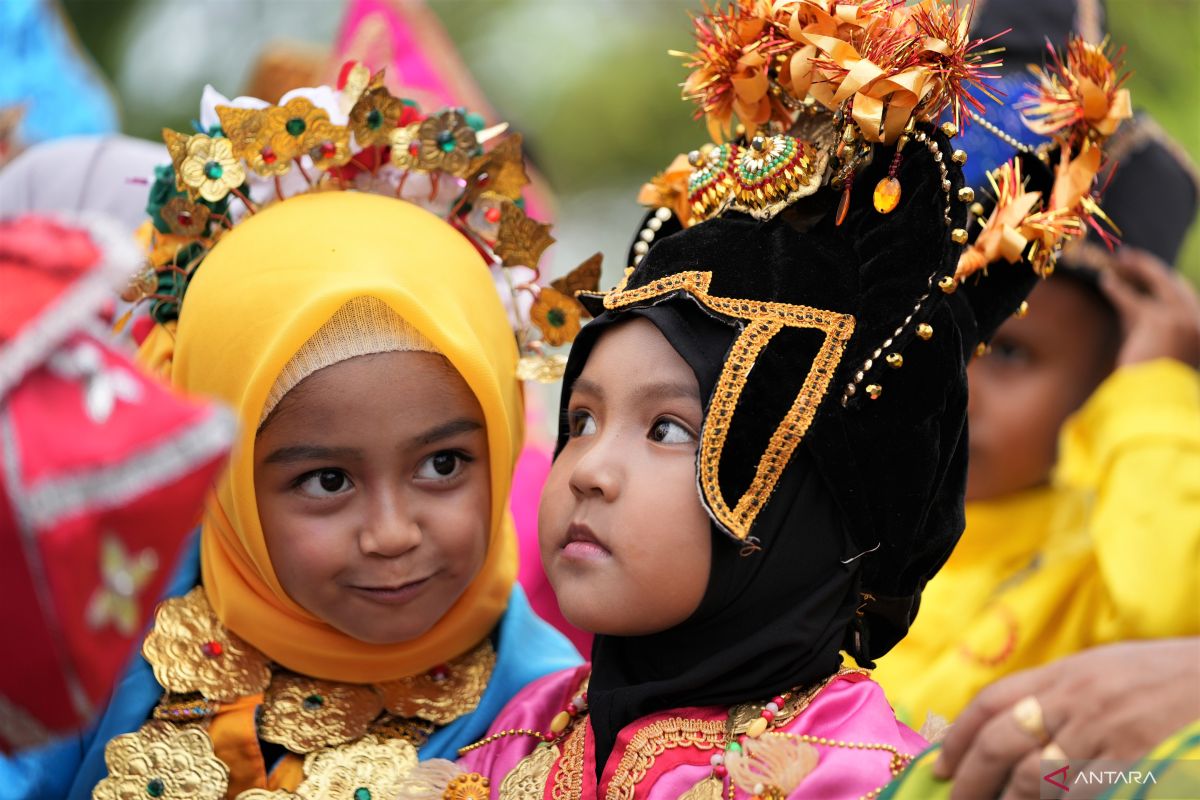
x=770 y=620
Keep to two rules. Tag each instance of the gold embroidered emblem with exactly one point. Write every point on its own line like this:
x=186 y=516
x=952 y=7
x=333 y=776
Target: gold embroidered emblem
x=444 y=694
x=162 y=761
x=305 y=714
x=763 y=320
x=191 y=651
x=527 y=780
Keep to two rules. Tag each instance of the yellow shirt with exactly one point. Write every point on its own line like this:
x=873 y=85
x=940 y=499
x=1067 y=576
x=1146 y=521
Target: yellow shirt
x=1109 y=551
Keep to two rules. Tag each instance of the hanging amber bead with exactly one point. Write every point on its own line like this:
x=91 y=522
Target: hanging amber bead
x=887 y=195
x=843 y=205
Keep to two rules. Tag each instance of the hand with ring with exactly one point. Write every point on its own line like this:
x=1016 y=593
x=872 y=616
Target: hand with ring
x=1115 y=702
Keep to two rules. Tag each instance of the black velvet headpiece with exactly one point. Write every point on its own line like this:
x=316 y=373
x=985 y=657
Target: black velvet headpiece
x=848 y=348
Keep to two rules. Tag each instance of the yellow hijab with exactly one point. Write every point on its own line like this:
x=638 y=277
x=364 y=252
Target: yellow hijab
x=263 y=290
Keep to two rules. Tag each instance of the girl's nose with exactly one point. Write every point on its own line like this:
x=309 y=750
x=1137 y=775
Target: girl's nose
x=389 y=530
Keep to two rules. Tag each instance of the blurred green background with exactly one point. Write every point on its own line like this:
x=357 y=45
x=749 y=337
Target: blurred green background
x=589 y=83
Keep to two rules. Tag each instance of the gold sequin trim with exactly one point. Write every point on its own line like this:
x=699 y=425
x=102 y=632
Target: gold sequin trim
x=305 y=714
x=443 y=695
x=191 y=651
x=651 y=741
x=764 y=320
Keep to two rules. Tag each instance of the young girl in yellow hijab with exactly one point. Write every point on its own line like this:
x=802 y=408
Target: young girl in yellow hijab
x=356 y=606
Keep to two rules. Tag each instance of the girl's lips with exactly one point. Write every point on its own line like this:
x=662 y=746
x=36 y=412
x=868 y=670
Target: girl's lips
x=391 y=595
x=582 y=544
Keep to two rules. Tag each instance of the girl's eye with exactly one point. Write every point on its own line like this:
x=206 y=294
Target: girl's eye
x=442 y=465
x=580 y=423
x=325 y=483
x=1008 y=352
x=668 y=431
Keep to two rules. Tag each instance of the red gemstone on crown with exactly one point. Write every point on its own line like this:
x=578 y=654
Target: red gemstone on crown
x=212 y=649
x=268 y=155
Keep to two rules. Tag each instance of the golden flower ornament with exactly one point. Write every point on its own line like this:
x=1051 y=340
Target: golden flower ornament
x=210 y=169
x=556 y=315
x=448 y=143
x=305 y=714
x=161 y=761
x=375 y=114
x=369 y=769
x=191 y=651
x=444 y=693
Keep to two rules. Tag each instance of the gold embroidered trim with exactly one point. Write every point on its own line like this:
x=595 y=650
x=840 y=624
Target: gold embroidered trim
x=443 y=694
x=568 y=781
x=305 y=714
x=764 y=320
x=651 y=741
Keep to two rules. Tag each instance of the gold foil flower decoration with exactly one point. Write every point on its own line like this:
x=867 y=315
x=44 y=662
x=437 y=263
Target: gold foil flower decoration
x=162 y=761
x=557 y=315
x=375 y=114
x=406 y=146
x=521 y=240
x=191 y=651
x=210 y=168
x=288 y=128
x=250 y=132
x=369 y=769
x=448 y=143
x=304 y=714
x=444 y=693
x=329 y=144
x=500 y=171
x=184 y=217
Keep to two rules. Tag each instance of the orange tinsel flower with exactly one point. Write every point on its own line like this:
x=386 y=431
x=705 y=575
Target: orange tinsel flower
x=732 y=66
x=669 y=189
x=1005 y=233
x=1079 y=94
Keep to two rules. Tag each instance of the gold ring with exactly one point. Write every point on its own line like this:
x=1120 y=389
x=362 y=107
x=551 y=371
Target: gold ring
x=1027 y=713
x=1052 y=752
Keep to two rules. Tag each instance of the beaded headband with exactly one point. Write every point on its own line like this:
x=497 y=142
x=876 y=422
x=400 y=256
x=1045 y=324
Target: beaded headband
x=247 y=153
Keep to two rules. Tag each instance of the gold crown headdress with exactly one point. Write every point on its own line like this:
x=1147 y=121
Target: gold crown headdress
x=249 y=153
x=814 y=84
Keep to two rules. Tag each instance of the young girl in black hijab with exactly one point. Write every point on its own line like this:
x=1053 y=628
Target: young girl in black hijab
x=791 y=342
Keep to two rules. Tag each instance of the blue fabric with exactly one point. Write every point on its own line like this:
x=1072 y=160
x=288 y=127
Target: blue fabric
x=526 y=649
x=46 y=71
x=986 y=150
